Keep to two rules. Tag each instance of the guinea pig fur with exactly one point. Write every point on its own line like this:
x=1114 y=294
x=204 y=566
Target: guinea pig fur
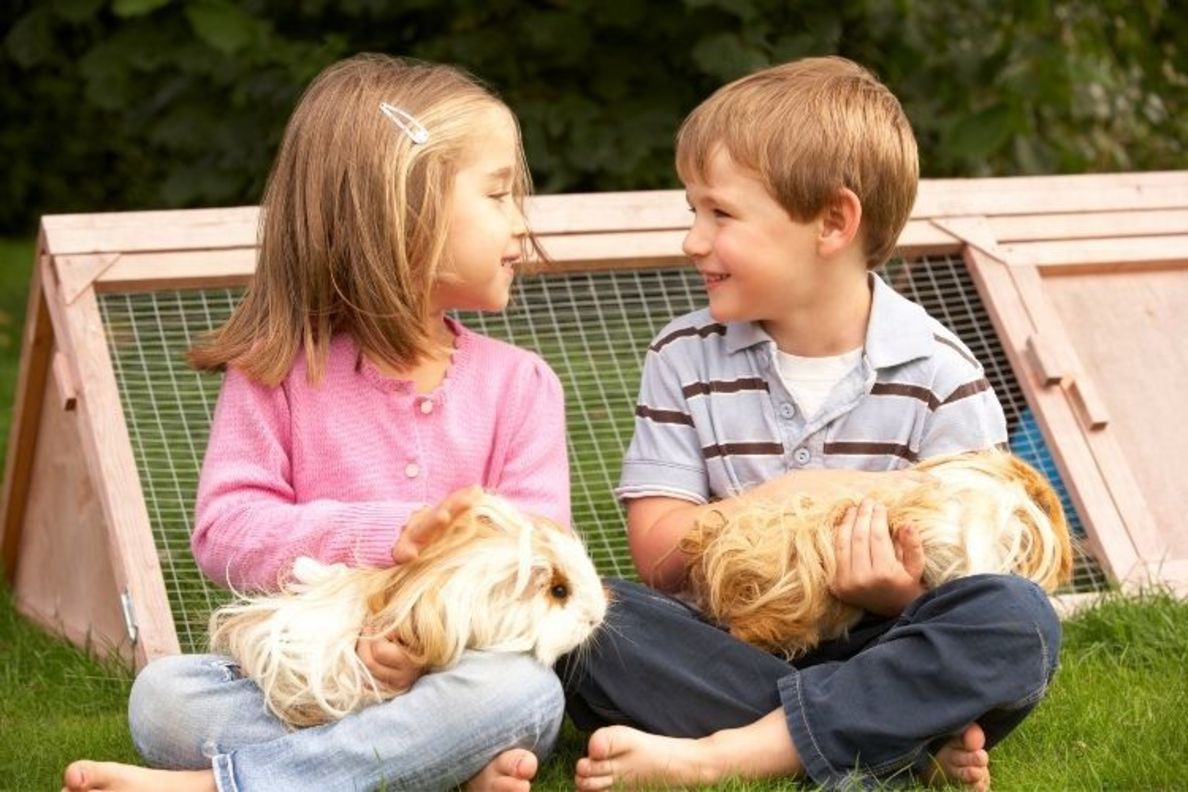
x=765 y=572
x=496 y=580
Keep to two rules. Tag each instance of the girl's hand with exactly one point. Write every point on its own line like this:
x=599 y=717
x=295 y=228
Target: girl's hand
x=389 y=662
x=426 y=525
x=874 y=572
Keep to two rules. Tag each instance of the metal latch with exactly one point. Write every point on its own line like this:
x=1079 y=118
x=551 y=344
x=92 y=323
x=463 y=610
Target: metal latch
x=129 y=615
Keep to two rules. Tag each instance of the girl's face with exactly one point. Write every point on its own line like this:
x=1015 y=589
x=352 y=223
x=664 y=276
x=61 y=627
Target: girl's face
x=486 y=226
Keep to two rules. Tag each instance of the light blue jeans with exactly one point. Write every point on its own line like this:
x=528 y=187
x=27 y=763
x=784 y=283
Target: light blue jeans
x=191 y=712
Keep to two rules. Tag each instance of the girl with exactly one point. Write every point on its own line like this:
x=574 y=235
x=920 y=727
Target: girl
x=351 y=406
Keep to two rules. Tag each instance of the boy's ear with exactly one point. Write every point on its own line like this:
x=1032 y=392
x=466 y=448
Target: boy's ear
x=839 y=223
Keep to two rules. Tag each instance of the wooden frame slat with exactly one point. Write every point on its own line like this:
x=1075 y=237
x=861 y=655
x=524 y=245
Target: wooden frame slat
x=655 y=210
x=107 y=448
x=1042 y=195
x=1009 y=229
x=180 y=269
x=1103 y=255
x=1090 y=493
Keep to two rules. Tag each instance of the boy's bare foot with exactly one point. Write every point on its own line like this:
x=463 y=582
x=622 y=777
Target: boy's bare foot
x=83 y=776
x=963 y=760
x=622 y=757
x=511 y=771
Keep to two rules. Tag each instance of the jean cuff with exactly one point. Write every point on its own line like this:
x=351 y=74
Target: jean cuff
x=224 y=773
x=816 y=766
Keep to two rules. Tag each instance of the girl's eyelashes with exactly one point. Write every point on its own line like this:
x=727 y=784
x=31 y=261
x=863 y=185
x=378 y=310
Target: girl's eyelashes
x=499 y=196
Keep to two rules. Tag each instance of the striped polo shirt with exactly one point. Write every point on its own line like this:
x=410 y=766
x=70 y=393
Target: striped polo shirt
x=714 y=418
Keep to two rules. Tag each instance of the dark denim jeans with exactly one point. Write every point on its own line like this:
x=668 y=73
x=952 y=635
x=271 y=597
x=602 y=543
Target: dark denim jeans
x=872 y=705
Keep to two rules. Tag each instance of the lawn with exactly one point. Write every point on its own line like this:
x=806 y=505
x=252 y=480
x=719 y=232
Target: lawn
x=1115 y=718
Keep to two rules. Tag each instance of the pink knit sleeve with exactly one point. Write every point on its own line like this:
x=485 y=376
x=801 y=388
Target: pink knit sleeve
x=535 y=472
x=248 y=525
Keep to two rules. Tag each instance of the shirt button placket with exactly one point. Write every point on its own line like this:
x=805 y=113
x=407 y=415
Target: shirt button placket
x=424 y=407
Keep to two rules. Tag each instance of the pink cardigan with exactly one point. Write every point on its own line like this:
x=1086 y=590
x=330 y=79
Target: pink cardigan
x=334 y=470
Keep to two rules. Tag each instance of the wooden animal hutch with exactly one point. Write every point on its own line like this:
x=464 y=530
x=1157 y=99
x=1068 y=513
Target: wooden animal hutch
x=1073 y=291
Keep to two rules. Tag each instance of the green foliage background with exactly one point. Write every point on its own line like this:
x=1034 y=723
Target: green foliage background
x=160 y=103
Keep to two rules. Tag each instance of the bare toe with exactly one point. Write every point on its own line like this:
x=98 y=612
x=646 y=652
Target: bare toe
x=963 y=760
x=510 y=771
x=75 y=776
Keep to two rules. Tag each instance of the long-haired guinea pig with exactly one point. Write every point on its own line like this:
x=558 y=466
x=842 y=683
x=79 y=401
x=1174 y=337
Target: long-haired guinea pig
x=765 y=572
x=495 y=580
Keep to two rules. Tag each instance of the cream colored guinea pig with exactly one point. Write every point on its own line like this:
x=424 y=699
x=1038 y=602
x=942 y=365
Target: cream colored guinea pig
x=765 y=572
x=495 y=580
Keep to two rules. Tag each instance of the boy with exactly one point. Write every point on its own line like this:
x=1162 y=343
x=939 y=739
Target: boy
x=805 y=370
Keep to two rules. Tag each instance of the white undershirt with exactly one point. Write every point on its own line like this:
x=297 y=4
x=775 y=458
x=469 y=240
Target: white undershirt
x=810 y=379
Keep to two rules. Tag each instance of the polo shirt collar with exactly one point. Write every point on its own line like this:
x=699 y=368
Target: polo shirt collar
x=898 y=329
x=741 y=335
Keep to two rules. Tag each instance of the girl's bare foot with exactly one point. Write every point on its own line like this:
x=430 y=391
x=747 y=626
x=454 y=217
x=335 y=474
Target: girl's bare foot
x=622 y=757
x=83 y=776
x=963 y=760
x=511 y=771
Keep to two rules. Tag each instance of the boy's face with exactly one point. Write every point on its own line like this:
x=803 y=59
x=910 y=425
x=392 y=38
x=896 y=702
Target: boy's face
x=758 y=264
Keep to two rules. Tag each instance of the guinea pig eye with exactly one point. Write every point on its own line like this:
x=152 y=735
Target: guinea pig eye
x=559 y=591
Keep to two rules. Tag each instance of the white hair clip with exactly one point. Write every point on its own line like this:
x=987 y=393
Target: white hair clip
x=408 y=125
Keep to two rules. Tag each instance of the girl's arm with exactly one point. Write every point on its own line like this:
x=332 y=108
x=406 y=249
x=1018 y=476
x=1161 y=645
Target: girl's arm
x=248 y=527
x=535 y=470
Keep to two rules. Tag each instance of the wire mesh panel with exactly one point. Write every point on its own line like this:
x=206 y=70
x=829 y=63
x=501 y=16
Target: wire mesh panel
x=944 y=288
x=593 y=328
x=168 y=409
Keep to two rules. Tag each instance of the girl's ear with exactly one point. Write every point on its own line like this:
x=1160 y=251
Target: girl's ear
x=839 y=223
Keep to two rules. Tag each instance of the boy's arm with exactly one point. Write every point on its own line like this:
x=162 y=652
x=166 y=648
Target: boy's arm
x=969 y=417
x=656 y=525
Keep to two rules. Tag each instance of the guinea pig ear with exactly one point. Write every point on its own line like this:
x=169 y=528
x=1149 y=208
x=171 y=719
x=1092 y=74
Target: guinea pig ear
x=544 y=523
x=539 y=576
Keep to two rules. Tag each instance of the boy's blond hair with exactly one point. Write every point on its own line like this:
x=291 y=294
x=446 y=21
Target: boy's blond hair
x=809 y=128
x=354 y=219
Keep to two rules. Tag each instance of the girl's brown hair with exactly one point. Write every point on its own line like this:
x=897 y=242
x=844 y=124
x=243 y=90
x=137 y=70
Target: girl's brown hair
x=354 y=219
x=809 y=128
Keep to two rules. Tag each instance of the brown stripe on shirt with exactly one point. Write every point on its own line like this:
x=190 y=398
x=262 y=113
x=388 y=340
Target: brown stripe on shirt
x=910 y=391
x=957 y=347
x=663 y=416
x=742 y=449
x=967 y=390
x=703 y=332
x=724 y=386
x=871 y=449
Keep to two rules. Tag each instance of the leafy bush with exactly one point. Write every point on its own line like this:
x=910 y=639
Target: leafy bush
x=149 y=103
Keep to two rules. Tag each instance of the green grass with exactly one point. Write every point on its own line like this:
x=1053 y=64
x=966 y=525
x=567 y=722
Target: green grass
x=1115 y=718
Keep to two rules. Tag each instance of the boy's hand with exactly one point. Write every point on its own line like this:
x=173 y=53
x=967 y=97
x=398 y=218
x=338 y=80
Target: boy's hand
x=426 y=525
x=874 y=572
x=388 y=662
